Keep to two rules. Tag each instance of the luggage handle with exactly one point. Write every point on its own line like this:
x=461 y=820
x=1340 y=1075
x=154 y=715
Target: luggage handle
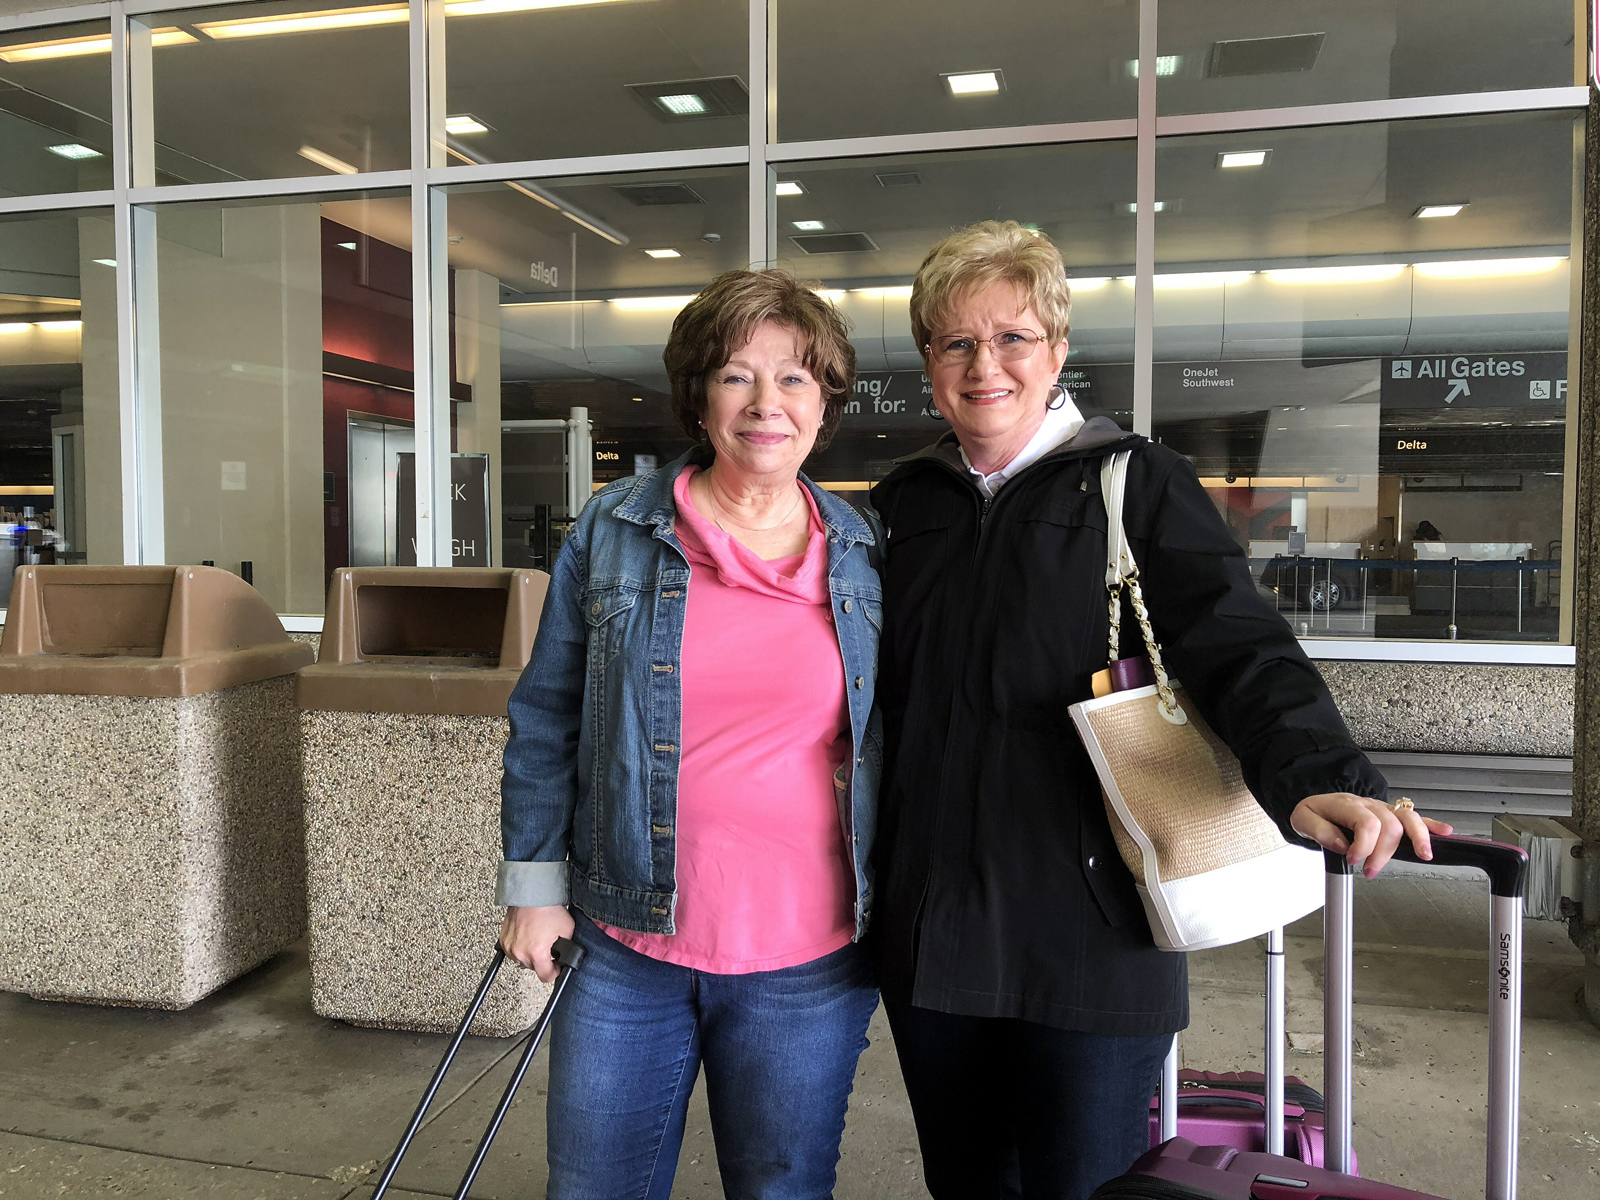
x=1507 y=869
x=567 y=955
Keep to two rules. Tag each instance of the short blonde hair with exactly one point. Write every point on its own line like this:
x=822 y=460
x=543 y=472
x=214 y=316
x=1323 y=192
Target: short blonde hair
x=990 y=252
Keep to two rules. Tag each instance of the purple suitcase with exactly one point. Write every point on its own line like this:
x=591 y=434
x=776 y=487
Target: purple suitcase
x=1242 y=1109
x=1180 y=1170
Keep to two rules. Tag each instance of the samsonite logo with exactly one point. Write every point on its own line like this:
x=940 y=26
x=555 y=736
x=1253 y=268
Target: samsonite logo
x=1505 y=966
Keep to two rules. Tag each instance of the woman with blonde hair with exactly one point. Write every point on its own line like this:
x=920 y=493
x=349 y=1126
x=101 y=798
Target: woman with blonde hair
x=691 y=776
x=1030 y=1007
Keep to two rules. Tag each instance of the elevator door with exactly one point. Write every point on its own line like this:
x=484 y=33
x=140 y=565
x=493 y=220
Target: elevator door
x=375 y=448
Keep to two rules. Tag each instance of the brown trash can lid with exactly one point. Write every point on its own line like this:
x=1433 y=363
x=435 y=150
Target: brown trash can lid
x=442 y=640
x=139 y=631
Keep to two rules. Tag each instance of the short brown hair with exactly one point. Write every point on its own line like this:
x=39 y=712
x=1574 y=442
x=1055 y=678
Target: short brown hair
x=989 y=252
x=717 y=324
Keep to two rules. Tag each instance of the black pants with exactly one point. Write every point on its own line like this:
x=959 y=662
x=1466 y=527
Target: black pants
x=1007 y=1108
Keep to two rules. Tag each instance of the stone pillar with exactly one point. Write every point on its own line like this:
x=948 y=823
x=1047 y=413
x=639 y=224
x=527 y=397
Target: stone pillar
x=1582 y=557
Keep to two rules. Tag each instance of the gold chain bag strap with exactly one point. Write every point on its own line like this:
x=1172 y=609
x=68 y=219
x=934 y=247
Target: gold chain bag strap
x=1210 y=865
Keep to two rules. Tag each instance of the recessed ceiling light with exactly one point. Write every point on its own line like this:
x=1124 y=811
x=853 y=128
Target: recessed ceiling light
x=1487 y=267
x=808 y=226
x=664 y=252
x=106 y=262
x=1243 y=158
x=347 y=245
x=1373 y=273
x=686 y=104
x=1429 y=211
x=337 y=165
x=67 y=326
x=1201 y=279
x=649 y=303
x=464 y=123
x=1166 y=64
x=1089 y=283
x=15 y=327
x=98 y=43
x=790 y=187
x=1158 y=206
x=974 y=83
x=638 y=399
x=74 y=151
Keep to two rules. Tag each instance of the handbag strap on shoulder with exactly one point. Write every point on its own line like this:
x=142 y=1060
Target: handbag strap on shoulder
x=1123 y=572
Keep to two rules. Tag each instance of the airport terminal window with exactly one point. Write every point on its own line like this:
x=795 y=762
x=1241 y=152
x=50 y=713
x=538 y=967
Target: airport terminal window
x=286 y=386
x=565 y=291
x=846 y=69
x=861 y=227
x=60 y=443
x=1361 y=342
x=55 y=109
x=530 y=81
x=1239 y=55
x=271 y=91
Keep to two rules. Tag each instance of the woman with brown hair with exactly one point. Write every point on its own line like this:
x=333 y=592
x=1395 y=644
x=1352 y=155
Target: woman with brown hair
x=691 y=776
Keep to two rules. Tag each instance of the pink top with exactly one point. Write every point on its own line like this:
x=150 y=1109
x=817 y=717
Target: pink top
x=764 y=876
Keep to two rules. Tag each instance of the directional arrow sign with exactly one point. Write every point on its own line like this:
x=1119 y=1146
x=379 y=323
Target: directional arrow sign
x=1458 y=387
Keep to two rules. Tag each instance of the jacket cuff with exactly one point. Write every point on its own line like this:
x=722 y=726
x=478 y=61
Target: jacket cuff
x=1333 y=769
x=531 y=884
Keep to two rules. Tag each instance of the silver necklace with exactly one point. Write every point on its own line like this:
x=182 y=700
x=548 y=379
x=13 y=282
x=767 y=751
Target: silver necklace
x=716 y=504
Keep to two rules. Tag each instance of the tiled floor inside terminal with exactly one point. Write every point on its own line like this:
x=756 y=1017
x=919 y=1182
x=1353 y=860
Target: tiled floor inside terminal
x=250 y=1095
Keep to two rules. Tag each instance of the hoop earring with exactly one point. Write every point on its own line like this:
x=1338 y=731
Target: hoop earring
x=1058 y=397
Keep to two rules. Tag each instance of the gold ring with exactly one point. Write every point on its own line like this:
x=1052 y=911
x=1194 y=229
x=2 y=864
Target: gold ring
x=1404 y=804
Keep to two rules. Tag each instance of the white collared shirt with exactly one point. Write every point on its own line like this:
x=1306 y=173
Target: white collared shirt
x=1059 y=425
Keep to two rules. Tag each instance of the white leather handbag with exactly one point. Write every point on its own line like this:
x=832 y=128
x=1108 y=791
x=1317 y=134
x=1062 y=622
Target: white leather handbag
x=1210 y=865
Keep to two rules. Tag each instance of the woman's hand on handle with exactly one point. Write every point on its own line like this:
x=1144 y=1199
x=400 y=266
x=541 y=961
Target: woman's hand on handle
x=528 y=934
x=1361 y=828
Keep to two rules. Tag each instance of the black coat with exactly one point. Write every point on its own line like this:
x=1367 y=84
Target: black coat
x=1000 y=890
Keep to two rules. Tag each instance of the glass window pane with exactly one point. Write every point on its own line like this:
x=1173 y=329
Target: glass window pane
x=1240 y=55
x=861 y=227
x=270 y=91
x=913 y=66
x=55 y=109
x=60 y=440
x=528 y=80
x=285 y=335
x=1362 y=345
x=565 y=291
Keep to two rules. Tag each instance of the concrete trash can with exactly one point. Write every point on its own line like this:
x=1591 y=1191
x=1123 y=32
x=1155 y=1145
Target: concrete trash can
x=403 y=725
x=150 y=845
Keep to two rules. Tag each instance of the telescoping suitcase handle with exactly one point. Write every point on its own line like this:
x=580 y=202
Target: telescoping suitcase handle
x=567 y=955
x=1507 y=868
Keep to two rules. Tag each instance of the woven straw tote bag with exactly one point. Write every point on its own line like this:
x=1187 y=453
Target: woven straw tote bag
x=1210 y=865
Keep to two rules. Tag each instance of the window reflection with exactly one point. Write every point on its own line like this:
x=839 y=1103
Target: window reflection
x=55 y=109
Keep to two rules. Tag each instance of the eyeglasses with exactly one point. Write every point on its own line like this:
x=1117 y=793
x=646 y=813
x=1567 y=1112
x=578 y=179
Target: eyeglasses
x=958 y=349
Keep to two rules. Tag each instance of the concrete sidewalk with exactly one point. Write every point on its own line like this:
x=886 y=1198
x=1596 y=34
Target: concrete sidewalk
x=250 y=1096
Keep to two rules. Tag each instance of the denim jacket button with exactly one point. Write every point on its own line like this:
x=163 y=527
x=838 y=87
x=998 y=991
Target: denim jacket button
x=595 y=608
x=848 y=606
x=860 y=682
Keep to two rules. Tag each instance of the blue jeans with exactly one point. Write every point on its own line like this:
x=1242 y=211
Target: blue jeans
x=779 y=1049
x=1007 y=1108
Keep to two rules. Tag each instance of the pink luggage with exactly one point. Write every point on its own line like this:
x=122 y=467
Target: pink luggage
x=1178 y=1169
x=1241 y=1109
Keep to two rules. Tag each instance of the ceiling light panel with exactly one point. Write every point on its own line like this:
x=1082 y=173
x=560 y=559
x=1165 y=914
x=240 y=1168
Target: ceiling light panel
x=789 y=187
x=808 y=226
x=323 y=159
x=1371 y=273
x=1430 y=212
x=309 y=22
x=664 y=252
x=99 y=43
x=1166 y=65
x=464 y=123
x=1231 y=159
x=974 y=83
x=686 y=105
x=694 y=99
x=1487 y=268
x=74 y=151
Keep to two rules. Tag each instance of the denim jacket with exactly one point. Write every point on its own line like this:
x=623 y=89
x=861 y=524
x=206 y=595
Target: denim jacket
x=589 y=798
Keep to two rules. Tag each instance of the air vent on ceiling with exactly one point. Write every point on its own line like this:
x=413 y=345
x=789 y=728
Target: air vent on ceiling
x=834 y=243
x=899 y=179
x=1265 y=56
x=694 y=99
x=653 y=195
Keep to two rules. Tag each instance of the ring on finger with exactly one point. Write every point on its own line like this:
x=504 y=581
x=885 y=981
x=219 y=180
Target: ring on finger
x=1404 y=804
